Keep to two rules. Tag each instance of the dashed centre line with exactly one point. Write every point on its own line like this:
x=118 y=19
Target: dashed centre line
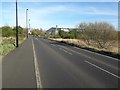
x=65 y=51
x=36 y=38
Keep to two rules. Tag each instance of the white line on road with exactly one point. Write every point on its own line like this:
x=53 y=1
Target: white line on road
x=65 y=51
x=102 y=69
x=76 y=47
x=89 y=57
x=36 y=38
x=37 y=73
x=97 y=54
x=52 y=44
x=1 y=59
x=76 y=52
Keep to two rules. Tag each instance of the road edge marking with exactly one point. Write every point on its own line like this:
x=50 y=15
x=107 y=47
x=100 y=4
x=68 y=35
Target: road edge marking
x=37 y=73
x=52 y=45
x=86 y=56
x=102 y=69
x=97 y=54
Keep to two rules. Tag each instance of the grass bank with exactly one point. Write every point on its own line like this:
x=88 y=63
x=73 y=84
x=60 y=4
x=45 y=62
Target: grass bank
x=8 y=44
x=113 y=51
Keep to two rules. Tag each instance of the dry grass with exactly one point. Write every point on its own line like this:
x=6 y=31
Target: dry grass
x=8 y=44
x=81 y=43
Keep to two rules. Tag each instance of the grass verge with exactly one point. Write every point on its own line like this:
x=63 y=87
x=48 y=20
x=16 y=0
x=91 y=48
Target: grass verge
x=84 y=46
x=8 y=44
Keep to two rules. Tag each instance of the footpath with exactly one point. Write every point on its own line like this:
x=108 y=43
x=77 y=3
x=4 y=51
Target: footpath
x=18 y=67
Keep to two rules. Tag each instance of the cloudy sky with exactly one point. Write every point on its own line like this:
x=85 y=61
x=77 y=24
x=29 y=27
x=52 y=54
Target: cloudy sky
x=64 y=14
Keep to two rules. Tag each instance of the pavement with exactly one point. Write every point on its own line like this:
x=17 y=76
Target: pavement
x=18 y=67
x=41 y=63
x=0 y=72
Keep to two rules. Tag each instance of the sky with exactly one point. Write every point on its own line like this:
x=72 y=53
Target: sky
x=62 y=0
x=64 y=14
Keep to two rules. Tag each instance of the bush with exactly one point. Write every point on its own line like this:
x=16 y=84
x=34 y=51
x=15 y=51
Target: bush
x=102 y=34
x=11 y=32
x=7 y=31
x=68 y=35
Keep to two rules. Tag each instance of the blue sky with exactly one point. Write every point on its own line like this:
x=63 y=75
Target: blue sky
x=64 y=14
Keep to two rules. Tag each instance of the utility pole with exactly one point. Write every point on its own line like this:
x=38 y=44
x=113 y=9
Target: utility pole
x=29 y=25
x=56 y=29
x=16 y=25
x=27 y=21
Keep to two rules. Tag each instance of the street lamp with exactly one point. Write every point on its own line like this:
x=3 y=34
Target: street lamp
x=16 y=25
x=27 y=21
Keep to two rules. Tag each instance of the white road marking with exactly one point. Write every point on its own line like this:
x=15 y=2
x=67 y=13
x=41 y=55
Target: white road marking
x=1 y=59
x=77 y=52
x=76 y=47
x=36 y=38
x=80 y=53
x=65 y=51
x=97 y=53
x=37 y=73
x=102 y=69
x=86 y=56
x=53 y=44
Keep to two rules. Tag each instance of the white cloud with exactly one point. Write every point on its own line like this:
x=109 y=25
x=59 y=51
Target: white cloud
x=40 y=17
x=61 y=0
x=91 y=10
x=42 y=12
x=48 y=10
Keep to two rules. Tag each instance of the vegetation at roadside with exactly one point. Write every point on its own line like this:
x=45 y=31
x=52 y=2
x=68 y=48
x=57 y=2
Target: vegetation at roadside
x=72 y=34
x=97 y=35
x=8 y=38
x=8 y=44
x=38 y=32
x=100 y=35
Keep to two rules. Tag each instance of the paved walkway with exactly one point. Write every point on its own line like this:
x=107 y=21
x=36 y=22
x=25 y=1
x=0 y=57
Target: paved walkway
x=18 y=67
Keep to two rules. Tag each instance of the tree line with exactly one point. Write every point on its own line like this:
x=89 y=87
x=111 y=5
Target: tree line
x=97 y=34
x=8 y=31
x=38 y=32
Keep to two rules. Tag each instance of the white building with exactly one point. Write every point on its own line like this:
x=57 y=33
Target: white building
x=54 y=31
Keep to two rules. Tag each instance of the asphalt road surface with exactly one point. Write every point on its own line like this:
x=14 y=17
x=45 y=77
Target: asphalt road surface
x=41 y=63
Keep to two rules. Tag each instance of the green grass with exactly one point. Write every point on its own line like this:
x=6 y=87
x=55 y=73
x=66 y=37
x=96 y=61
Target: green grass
x=8 y=44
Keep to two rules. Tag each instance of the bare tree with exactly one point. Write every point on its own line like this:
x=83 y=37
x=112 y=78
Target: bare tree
x=99 y=34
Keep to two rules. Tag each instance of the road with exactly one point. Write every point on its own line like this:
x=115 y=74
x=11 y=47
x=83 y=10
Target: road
x=42 y=63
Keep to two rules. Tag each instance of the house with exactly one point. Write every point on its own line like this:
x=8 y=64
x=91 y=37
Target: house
x=29 y=32
x=53 y=31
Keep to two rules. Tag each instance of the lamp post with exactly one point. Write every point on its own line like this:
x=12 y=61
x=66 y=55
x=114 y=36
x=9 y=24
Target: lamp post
x=16 y=25
x=27 y=21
